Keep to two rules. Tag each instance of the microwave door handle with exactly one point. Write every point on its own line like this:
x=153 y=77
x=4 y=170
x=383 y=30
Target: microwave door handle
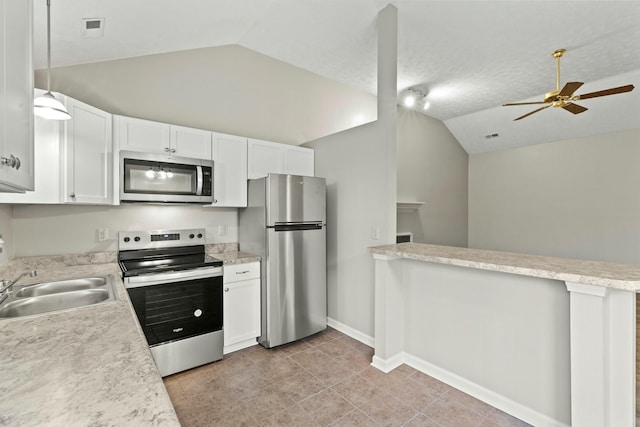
x=199 y=180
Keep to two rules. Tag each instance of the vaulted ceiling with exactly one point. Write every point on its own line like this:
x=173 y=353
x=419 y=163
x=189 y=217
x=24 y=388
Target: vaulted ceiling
x=469 y=57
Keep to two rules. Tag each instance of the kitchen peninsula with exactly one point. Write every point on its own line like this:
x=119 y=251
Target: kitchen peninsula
x=549 y=340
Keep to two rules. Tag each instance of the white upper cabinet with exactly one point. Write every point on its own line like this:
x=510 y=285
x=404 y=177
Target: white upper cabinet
x=46 y=164
x=266 y=157
x=189 y=142
x=87 y=155
x=299 y=161
x=16 y=96
x=154 y=137
x=229 y=154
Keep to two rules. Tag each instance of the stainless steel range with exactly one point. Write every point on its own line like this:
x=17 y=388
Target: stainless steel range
x=176 y=291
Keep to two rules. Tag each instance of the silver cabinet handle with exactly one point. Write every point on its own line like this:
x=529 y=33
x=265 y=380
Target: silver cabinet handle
x=167 y=149
x=12 y=161
x=242 y=272
x=72 y=195
x=215 y=200
x=226 y=289
x=173 y=150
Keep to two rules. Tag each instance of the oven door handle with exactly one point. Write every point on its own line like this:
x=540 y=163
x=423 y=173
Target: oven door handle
x=177 y=276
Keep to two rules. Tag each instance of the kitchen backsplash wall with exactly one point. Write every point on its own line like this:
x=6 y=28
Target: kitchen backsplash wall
x=63 y=229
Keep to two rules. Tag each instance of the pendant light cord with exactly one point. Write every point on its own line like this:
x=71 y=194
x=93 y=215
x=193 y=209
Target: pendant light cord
x=48 y=45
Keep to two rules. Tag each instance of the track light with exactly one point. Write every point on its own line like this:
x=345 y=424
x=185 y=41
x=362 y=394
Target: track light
x=415 y=98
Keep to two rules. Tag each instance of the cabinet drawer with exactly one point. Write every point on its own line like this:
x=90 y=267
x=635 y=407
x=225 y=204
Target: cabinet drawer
x=237 y=272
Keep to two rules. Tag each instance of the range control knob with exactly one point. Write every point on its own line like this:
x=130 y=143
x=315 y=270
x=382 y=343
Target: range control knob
x=191 y=236
x=137 y=239
x=199 y=235
x=126 y=239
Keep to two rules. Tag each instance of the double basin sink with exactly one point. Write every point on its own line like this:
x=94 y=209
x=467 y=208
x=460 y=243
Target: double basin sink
x=59 y=295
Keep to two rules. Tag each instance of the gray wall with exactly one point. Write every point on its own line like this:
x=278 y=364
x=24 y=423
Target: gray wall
x=432 y=168
x=228 y=89
x=575 y=198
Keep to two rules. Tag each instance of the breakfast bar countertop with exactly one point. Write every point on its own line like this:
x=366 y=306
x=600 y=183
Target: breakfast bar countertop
x=607 y=274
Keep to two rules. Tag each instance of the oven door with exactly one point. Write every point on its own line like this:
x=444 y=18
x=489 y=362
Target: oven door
x=175 y=306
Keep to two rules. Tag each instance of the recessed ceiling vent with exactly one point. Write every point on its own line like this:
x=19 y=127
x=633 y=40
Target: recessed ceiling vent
x=92 y=27
x=492 y=135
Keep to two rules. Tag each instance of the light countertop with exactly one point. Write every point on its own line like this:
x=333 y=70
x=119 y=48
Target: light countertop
x=608 y=274
x=83 y=366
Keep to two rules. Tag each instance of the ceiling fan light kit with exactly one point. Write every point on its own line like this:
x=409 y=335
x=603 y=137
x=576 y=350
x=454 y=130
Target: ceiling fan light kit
x=564 y=98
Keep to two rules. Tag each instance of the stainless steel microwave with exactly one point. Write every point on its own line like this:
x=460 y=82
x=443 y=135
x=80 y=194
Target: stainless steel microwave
x=161 y=178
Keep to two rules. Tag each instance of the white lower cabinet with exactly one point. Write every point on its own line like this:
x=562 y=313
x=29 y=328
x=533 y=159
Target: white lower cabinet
x=241 y=299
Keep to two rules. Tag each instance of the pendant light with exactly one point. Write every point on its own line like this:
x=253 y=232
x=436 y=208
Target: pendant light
x=47 y=106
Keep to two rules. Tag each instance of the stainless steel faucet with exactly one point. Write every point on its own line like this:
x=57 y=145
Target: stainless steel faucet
x=7 y=285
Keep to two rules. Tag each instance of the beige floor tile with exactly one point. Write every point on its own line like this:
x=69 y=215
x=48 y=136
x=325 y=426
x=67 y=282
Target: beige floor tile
x=326 y=406
x=291 y=417
x=468 y=401
x=300 y=386
x=356 y=360
x=430 y=382
x=421 y=420
x=386 y=410
x=355 y=418
x=500 y=419
x=356 y=390
x=449 y=413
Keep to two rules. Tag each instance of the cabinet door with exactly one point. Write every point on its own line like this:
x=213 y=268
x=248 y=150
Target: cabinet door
x=46 y=164
x=299 y=161
x=229 y=156
x=143 y=135
x=241 y=311
x=189 y=142
x=87 y=153
x=264 y=157
x=16 y=96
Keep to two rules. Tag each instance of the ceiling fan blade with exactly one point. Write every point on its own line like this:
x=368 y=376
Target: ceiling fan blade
x=569 y=88
x=612 y=91
x=532 y=112
x=574 y=108
x=524 y=103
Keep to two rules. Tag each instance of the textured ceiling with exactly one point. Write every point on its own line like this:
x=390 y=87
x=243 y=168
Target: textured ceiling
x=470 y=57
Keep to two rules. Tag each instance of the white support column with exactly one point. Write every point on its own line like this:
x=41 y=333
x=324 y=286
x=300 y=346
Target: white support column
x=389 y=313
x=602 y=356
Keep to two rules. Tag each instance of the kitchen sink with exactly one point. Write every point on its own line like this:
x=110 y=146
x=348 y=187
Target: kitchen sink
x=58 y=295
x=49 y=288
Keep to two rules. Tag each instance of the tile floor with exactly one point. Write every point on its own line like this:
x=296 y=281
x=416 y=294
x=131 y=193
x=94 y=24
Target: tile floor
x=323 y=380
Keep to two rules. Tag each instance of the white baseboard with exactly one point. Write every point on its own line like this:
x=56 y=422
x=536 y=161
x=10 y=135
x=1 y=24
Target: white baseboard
x=349 y=331
x=388 y=365
x=494 y=399
x=239 y=346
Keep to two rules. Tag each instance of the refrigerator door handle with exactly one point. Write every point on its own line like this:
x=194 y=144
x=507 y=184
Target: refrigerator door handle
x=297 y=226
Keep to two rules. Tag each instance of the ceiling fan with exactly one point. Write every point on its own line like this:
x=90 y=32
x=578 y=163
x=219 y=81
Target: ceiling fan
x=563 y=98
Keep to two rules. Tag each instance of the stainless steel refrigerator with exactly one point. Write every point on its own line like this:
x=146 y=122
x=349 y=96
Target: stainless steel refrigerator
x=284 y=222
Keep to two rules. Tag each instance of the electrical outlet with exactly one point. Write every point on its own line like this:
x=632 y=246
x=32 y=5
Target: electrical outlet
x=103 y=234
x=375 y=232
x=222 y=230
